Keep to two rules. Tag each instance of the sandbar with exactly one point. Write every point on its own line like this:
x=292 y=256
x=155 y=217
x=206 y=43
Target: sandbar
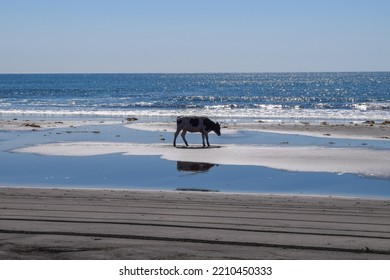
x=352 y=130
x=365 y=130
x=367 y=162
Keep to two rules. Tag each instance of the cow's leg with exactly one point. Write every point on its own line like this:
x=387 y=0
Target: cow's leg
x=207 y=139
x=203 y=134
x=183 y=135
x=176 y=134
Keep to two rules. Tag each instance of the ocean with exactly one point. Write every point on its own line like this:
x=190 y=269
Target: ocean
x=341 y=97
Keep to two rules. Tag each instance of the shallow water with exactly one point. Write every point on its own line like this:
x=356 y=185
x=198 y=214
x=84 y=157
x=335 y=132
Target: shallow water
x=151 y=172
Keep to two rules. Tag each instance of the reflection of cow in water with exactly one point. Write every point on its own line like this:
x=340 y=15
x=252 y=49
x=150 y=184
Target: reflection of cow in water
x=193 y=166
x=196 y=124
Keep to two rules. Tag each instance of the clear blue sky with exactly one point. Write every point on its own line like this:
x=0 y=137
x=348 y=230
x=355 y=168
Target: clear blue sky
x=55 y=36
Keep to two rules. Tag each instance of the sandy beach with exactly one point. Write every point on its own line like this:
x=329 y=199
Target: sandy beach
x=83 y=222
x=108 y=224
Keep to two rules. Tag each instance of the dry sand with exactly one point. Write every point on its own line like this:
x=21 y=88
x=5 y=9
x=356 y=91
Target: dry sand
x=108 y=224
x=366 y=130
x=363 y=130
x=26 y=124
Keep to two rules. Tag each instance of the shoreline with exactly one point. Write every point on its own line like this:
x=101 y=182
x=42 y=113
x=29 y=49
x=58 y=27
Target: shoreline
x=369 y=130
x=127 y=224
x=196 y=191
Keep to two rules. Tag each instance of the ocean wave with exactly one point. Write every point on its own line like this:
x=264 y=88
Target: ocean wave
x=219 y=107
x=372 y=106
x=345 y=96
x=268 y=112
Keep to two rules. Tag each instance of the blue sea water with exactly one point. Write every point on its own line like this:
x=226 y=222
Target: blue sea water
x=275 y=96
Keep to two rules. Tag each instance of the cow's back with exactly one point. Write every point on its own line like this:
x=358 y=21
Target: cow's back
x=191 y=124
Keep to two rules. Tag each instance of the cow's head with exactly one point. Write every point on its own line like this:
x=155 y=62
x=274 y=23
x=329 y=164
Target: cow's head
x=217 y=129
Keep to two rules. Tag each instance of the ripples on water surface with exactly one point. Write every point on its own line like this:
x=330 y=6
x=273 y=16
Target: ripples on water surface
x=340 y=96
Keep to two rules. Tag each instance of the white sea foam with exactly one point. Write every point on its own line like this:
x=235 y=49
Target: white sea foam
x=372 y=106
x=223 y=111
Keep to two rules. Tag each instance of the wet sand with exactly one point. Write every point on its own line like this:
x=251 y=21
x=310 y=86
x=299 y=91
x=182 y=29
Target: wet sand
x=362 y=130
x=108 y=224
x=353 y=130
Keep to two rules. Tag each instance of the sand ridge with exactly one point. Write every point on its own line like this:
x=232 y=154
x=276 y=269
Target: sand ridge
x=366 y=130
x=368 y=162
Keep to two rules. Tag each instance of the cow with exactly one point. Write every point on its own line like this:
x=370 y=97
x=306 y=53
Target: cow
x=196 y=124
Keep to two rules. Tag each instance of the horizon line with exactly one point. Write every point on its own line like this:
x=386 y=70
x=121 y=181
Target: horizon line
x=189 y=73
